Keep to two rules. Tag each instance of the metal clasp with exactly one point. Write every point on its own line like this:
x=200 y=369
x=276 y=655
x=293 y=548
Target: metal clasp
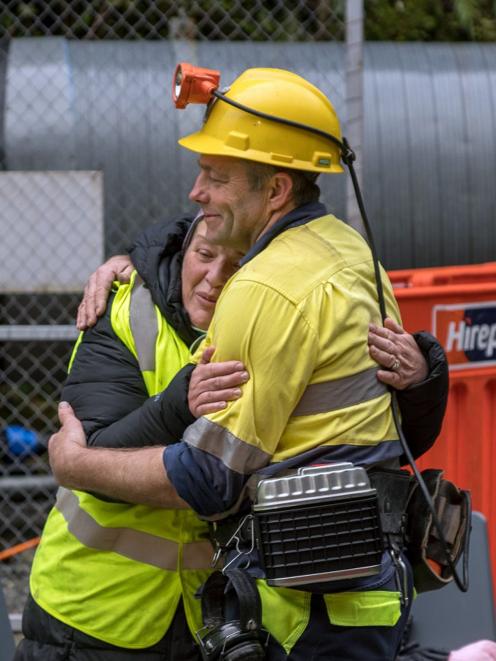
x=401 y=575
x=237 y=540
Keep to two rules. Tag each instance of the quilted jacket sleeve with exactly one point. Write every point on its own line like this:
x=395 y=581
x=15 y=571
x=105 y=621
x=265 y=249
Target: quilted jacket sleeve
x=108 y=394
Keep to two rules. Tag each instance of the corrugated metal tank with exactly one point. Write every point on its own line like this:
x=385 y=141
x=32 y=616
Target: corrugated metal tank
x=429 y=149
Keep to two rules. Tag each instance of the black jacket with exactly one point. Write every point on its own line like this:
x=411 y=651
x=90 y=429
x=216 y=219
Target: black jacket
x=105 y=385
x=108 y=394
x=423 y=406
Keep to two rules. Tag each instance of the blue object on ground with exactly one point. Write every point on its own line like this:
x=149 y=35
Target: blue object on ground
x=20 y=441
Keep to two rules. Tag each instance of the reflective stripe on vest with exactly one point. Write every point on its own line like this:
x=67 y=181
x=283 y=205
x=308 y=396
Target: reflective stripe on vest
x=340 y=393
x=143 y=323
x=134 y=544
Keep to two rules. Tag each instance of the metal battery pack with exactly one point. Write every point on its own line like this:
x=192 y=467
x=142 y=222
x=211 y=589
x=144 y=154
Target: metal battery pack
x=319 y=524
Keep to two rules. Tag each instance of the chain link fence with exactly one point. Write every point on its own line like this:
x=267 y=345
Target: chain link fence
x=88 y=154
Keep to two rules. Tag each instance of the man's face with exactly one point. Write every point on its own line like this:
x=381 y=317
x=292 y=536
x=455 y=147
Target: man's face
x=206 y=269
x=234 y=213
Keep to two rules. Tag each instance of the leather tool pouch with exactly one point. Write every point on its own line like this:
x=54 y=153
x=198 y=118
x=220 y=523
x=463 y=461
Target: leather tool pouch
x=452 y=505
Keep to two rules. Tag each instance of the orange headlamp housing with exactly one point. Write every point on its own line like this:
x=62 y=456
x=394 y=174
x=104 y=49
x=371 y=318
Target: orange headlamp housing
x=193 y=84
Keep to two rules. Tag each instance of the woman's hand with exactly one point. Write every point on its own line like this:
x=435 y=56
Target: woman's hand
x=97 y=289
x=398 y=354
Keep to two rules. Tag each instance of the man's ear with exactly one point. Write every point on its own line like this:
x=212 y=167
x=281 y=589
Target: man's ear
x=280 y=190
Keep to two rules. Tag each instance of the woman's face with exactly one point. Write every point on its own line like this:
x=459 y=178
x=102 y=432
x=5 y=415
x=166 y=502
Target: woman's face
x=206 y=269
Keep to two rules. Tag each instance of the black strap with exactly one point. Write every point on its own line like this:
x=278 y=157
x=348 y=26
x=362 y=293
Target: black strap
x=244 y=586
x=212 y=599
x=393 y=489
x=250 y=606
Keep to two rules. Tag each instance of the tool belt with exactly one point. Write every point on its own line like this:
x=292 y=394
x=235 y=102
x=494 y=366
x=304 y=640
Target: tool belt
x=431 y=568
x=334 y=522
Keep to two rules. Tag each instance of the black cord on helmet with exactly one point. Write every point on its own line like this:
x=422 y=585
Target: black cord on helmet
x=461 y=583
x=348 y=157
x=279 y=120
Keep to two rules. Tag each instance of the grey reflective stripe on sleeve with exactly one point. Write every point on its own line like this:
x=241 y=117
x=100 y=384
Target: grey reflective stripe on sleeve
x=134 y=544
x=234 y=453
x=143 y=323
x=340 y=393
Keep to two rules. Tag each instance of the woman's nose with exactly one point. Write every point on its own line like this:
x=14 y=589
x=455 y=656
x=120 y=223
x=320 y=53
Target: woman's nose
x=217 y=275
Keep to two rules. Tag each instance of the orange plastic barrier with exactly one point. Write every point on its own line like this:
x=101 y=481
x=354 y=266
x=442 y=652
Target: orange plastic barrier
x=458 y=305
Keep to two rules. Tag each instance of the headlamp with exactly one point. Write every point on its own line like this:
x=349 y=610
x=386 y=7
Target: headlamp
x=193 y=84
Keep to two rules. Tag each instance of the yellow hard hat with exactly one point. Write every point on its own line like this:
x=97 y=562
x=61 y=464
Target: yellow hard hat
x=230 y=131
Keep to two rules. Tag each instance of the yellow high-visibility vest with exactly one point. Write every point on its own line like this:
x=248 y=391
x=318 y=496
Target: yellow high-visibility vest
x=117 y=571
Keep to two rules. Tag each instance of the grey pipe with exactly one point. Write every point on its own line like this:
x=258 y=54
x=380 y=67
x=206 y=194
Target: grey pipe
x=429 y=154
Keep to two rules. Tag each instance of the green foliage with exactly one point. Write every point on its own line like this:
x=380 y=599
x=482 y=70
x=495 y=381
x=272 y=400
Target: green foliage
x=430 y=20
x=256 y=20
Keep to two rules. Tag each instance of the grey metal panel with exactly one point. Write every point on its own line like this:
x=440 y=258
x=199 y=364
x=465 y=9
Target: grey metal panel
x=124 y=127
x=39 y=120
x=386 y=141
x=423 y=164
x=24 y=482
x=37 y=332
x=429 y=154
x=354 y=105
x=429 y=159
x=453 y=156
x=51 y=228
x=489 y=219
x=4 y=49
x=478 y=95
x=401 y=158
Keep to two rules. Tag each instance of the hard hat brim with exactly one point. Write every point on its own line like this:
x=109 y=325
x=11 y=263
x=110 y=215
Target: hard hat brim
x=201 y=143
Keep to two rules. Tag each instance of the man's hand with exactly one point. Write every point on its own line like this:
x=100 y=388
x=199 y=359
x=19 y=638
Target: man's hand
x=398 y=353
x=97 y=289
x=212 y=385
x=131 y=476
x=65 y=447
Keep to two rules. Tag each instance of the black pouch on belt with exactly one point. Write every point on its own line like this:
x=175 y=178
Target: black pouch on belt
x=452 y=505
x=393 y=491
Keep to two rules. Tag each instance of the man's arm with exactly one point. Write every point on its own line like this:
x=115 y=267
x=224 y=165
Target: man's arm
x=136 y=476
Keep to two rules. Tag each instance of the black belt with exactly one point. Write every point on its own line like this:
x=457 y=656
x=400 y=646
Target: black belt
x=392 y=486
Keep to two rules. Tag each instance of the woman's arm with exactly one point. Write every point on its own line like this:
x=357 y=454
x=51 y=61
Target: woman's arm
x=108 y=394
x=416 y=366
